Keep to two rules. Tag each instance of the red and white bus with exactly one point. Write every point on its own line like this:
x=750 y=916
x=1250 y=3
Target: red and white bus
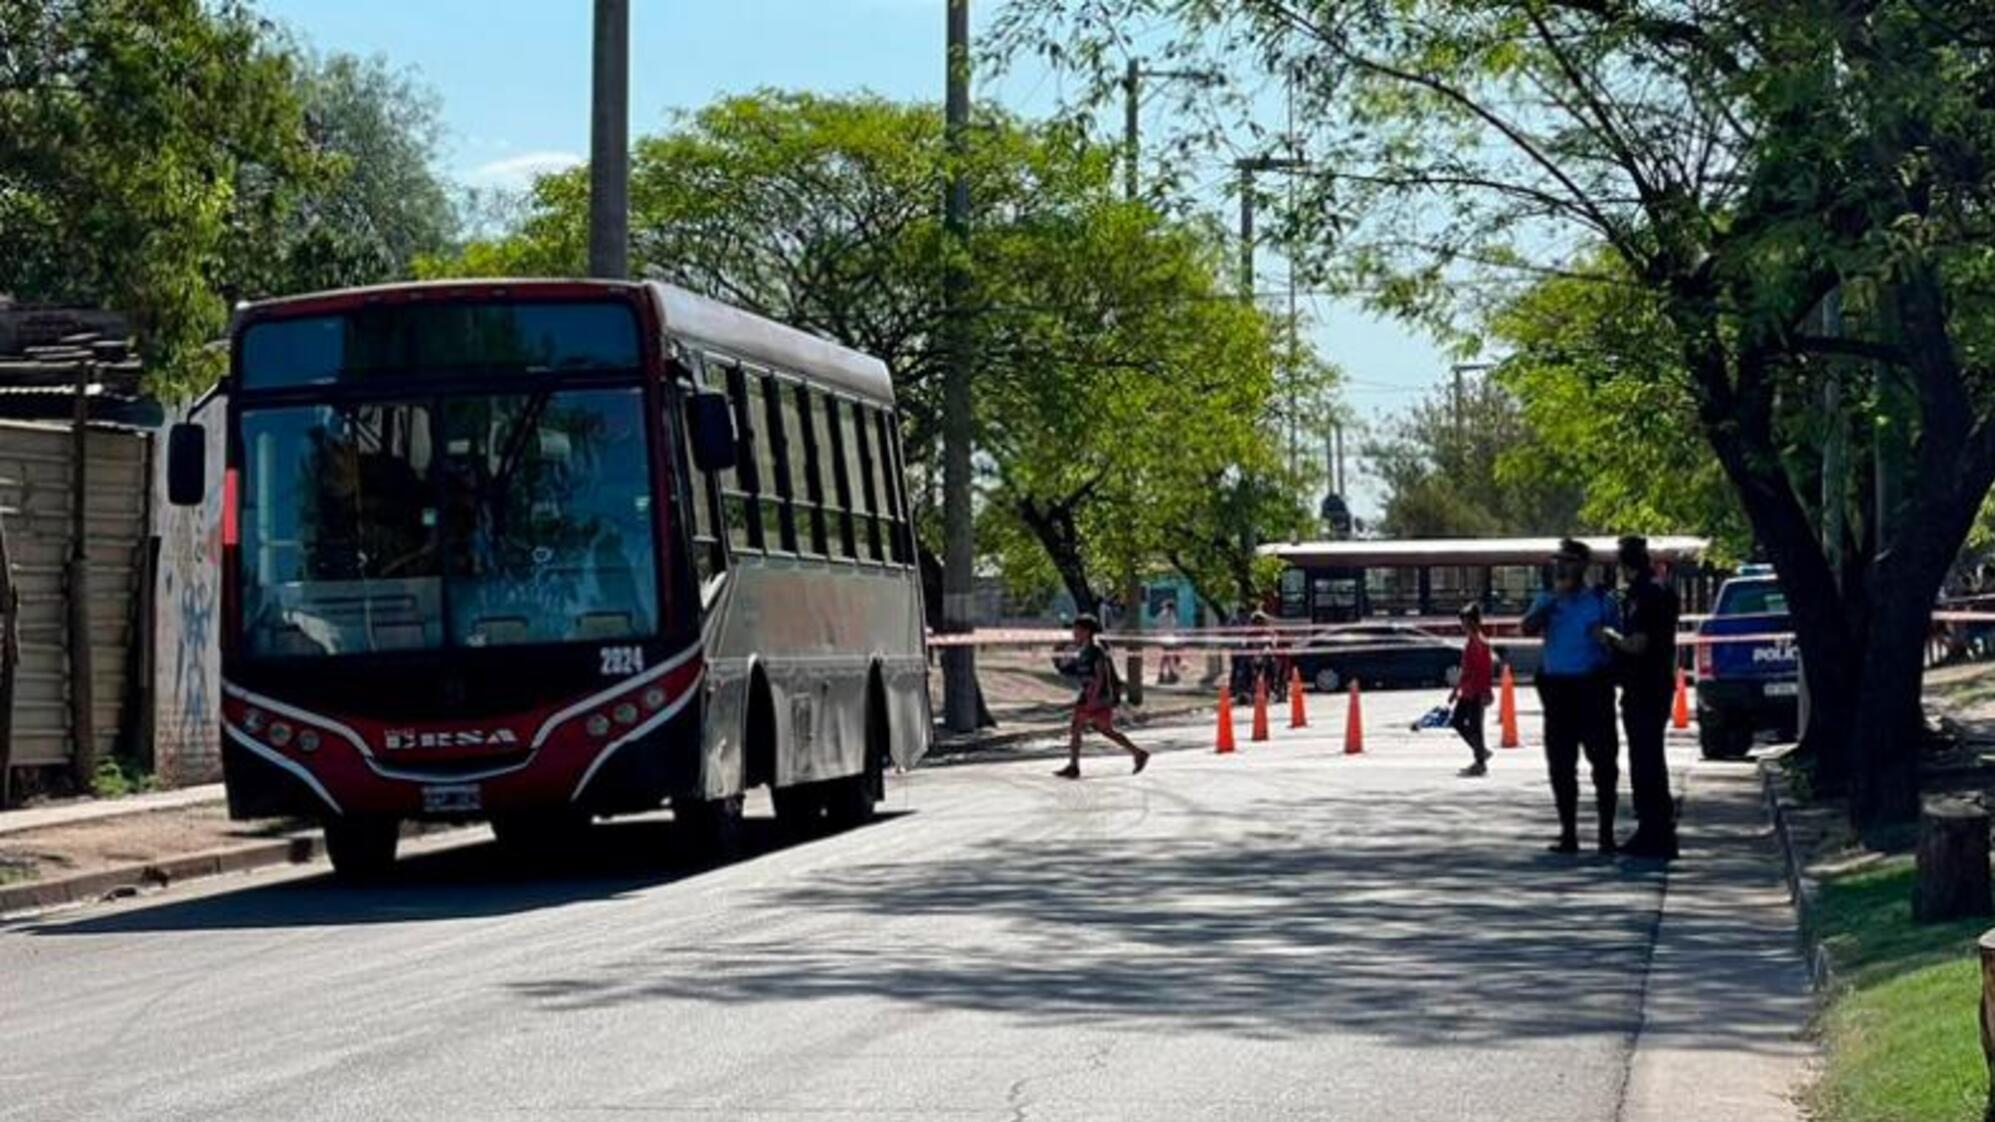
x=540 y=551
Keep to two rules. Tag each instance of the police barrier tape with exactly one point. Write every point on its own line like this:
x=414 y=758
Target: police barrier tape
x=1278 y=637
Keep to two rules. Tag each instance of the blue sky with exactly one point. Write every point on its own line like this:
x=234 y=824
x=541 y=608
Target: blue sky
x=513 y=76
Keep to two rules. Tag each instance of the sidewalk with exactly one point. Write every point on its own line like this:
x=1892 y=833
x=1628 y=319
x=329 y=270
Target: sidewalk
x=1727 y=1002
x=96 y=810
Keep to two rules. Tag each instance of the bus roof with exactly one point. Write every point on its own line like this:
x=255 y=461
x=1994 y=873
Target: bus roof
x=743 y=334
x=687 y=315
x=1381 y=553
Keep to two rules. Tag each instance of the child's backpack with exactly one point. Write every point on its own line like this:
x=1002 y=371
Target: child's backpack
x=1114 y=675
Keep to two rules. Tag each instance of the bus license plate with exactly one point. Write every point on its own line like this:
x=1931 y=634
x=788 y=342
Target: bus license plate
x=452 y=798
x=1783 y=689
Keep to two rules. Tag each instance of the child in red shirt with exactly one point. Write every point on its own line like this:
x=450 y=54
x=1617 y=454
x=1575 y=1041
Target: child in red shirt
x=1472 y=693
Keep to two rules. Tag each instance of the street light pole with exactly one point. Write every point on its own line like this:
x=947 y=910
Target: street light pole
x=609 y=144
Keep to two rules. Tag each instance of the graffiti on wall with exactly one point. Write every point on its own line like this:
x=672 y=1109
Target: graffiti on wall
x=187 y=670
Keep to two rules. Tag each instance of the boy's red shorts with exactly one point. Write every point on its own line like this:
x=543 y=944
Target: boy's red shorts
x=1094 y=717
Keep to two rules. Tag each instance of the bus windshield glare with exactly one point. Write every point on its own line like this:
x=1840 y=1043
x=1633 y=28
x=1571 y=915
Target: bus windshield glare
x=439 y=338
x=461 y=520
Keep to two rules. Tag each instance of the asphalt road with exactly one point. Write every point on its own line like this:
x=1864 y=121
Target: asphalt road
x=1285 y=933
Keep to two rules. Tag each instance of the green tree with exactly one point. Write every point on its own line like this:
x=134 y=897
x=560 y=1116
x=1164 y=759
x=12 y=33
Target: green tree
x=375 y=204
x=1440 y=465
x=126 y=130
x=1114 y=379
x=1741 y=164
x=1609 y=413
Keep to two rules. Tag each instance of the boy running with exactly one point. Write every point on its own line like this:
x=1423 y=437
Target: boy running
x=1472 y=693
x=1095 y=707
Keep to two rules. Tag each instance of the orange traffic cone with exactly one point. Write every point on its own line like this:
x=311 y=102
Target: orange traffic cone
x=1507 y=710
x=1354 y=725
x=1225 y=743
x=1260 y=708
x=1679 y=716
x=1298 y=709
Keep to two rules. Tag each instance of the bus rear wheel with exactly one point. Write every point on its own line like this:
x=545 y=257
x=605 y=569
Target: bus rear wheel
x=361 y=849
x=854 y=800
x=799 y=809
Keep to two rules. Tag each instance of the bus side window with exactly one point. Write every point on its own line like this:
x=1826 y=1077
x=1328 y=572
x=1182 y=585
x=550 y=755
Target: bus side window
x=744 y=523
x=805 y=452
x=859 y=465
x=835 y=460
x=702 y=515
x=766 y=509
x=886 y=467
x=778 y=493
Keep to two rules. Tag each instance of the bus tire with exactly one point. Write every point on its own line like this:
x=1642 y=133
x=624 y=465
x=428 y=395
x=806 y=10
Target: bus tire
x=854 y=800
x=361 y=849
x=799 y=809
x=714 y=827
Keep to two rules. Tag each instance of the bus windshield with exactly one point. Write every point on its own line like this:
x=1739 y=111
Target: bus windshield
x=474 y=521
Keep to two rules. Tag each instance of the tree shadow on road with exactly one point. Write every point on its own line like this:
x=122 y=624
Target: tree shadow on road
x=1373 y=918
x=465 y=881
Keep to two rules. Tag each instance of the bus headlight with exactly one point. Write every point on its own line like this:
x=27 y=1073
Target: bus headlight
x=308 y=741
x=625 y=714
x=280 y=733
x=598 y=725
x=654 y=698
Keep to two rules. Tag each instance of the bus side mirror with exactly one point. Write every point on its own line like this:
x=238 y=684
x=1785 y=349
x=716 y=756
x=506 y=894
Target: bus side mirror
x=710 y=422
x=186 y=465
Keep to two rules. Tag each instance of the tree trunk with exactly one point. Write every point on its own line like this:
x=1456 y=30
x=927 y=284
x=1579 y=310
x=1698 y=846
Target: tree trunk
x=1053 y=527
x=1884 y=788
x=931 y=586
x=1953 y=863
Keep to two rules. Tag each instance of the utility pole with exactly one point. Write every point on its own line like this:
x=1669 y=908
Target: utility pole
x=1459 y=397
x=1132 y=120
x=609 y=144
x=959 y=588
x=1132 y=126
x=1247 y=169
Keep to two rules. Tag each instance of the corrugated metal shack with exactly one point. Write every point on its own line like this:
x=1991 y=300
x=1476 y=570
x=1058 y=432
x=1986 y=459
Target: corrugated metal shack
x=77 y=551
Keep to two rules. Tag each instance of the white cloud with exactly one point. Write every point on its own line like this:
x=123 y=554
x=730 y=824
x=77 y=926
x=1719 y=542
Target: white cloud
x=519 y=171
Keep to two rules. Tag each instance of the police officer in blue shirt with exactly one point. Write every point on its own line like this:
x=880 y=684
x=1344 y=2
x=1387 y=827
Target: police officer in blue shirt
x=1576 y=687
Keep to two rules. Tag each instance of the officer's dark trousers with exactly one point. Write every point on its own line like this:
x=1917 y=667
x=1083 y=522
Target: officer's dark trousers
x=1579 y=716
x=1645 y=717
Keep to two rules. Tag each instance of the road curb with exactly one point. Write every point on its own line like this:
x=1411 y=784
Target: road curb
x=1802 y=888
x=129 y=880
x=91 y=812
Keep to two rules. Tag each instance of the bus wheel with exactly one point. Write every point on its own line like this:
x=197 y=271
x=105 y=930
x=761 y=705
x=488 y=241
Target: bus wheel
x=799 y=809
x=361 y=849
x=714 y=827
x=853 y=800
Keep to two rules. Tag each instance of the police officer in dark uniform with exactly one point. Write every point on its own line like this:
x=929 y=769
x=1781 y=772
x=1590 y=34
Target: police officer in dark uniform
x=1644 y=649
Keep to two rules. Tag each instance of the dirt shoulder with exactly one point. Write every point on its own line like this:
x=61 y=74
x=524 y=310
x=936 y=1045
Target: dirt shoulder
x=133 y=839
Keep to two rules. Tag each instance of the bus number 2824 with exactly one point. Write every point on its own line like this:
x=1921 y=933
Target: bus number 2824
x=620 y=661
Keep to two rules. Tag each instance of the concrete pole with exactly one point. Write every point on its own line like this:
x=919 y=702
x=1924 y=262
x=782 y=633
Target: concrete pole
x=959 y=588
x=609 y=144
